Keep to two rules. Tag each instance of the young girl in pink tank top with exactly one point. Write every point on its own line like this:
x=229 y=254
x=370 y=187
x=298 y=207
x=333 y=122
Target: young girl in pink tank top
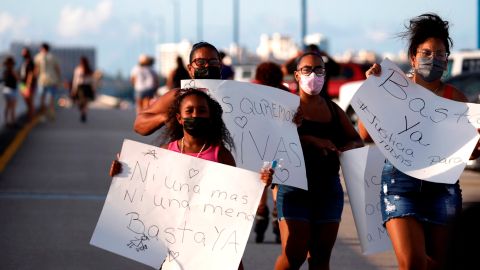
x=195 y=127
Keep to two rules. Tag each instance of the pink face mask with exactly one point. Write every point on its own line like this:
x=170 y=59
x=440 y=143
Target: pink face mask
x=312 y=84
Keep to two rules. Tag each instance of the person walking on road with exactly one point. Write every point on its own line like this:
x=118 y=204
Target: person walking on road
x=28 y=82
x=177 y=75
x=10 y=91
x=83 y=87
x=416 y=212
x=309 y=219
x=144 y=81
x=47 y=70
x=270 y=74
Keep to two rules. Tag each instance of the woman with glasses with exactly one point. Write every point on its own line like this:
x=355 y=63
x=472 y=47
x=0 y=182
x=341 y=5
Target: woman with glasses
x=416 y=212
x=204 y=64
x=309 y=220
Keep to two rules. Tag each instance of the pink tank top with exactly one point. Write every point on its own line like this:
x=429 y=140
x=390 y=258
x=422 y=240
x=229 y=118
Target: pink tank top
x=211 y=153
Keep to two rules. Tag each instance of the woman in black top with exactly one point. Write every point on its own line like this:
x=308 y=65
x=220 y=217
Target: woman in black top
x=9 y=90
x=309 y=220
x=27 y=81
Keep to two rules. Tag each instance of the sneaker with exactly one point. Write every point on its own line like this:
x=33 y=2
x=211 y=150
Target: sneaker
x=83 y=118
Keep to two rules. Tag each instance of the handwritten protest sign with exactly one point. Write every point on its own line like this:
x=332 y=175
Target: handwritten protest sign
x=362 y=171
x=423 y=135
x=260 y=120
x=182 y=211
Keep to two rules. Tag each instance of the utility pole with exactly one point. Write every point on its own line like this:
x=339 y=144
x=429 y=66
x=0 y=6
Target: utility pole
x=303 y=18
x=176 y=20
x=199 y=20
x=236 y=16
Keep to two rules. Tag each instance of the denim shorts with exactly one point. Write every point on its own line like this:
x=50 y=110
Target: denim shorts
x=317 y=206
x=49 y=89
x=403 y=195
x=10 y=94
x=149 y=93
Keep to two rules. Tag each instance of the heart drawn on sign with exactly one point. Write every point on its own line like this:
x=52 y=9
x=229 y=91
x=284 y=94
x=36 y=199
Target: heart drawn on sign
x=172 y=255
x=190 y=84
x=192 y=173
x=282 y=174
x=241 y=121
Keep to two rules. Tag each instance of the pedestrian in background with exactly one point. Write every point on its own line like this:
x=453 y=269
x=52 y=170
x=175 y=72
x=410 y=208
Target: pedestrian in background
x=204 y=64
x=47 y=70
x=83 y=87
x=270 y=74
x=28 y=82
x=177 y=75
x=309 y=219
x=416 y=213
x=144 y=81
x=226 y=72
x=10 y=91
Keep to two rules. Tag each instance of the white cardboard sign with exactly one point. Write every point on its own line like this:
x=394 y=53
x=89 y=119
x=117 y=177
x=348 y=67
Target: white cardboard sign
x=182 y=211
x=362 y=171
x=423 y=135
x=260 y=120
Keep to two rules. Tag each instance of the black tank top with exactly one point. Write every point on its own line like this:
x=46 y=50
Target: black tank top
x=318 y=166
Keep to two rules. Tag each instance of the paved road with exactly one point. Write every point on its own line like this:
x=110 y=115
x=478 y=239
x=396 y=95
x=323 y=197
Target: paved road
x=52 y=192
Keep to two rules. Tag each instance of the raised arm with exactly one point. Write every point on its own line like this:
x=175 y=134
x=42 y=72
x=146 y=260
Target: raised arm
x=155 y=116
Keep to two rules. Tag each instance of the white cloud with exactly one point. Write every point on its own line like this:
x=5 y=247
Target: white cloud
x=6 y=22
x=137 y=30
x=11 y=24
x=377 y=36
x=75 y=21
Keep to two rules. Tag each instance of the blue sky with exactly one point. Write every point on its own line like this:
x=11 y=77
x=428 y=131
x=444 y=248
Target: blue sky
x=121 y=29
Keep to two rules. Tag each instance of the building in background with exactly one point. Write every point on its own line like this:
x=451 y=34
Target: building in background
x=166 y=55
x=276 y=48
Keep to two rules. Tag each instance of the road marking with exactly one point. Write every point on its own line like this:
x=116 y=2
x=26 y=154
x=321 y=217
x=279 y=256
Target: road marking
x=15 y=144
x=51 y=196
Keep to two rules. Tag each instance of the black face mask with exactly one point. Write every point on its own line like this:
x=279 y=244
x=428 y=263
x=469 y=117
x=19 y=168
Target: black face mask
x=210 y=72
x=196 y=126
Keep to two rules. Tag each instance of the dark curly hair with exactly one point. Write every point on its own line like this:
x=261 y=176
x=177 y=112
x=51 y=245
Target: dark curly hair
x=202 y=44
x=423 y=27
x=218 y=135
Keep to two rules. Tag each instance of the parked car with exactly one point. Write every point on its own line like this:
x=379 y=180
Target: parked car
x=244 y=73
x=463 y=62
x=349 y=72
x=469 y=84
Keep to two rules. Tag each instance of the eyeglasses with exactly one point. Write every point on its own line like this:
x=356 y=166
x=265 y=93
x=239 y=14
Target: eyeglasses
x=201 y=62
x=440 y=55
x=307 y=70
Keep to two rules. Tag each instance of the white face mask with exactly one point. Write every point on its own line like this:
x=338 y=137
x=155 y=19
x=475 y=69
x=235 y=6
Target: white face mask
x=312 y=84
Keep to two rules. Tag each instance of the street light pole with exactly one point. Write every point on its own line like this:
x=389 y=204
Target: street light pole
x=176 y=20
x=303 y=14
x=199 y=20
x=236 y=23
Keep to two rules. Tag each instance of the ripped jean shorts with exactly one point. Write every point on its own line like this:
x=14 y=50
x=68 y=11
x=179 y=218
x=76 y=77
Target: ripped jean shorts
x=402 y=195
x=317 y=206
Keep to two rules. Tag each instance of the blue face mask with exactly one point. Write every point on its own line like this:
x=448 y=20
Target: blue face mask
x=430 y=69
